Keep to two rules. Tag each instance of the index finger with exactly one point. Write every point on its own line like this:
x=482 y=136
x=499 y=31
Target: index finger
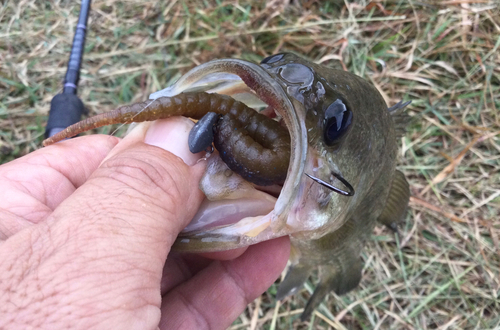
x=33 y=185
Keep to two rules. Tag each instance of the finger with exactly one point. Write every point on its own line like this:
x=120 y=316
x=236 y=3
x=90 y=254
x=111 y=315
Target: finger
x=215 y=297
x=181 y=267
x=75 y=159
x=224 y=255
x=32 y=186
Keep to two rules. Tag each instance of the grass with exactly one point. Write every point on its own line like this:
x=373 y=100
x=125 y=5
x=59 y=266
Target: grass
x=443 y=272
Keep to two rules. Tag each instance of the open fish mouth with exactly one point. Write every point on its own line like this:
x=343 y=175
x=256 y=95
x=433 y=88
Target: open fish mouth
x=237 y=213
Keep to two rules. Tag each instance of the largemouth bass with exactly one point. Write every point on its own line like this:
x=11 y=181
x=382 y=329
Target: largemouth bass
x=337 y=157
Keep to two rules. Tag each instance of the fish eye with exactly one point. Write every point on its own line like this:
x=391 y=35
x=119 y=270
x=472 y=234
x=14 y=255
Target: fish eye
x=338 y=119
x=271 y=59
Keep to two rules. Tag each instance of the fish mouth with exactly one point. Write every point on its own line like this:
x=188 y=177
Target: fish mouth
x=235 y=212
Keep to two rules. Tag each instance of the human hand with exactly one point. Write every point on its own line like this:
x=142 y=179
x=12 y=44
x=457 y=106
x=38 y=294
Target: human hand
x=86 y=226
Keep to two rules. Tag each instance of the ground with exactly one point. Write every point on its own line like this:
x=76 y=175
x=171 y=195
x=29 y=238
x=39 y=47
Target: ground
x=443 y=271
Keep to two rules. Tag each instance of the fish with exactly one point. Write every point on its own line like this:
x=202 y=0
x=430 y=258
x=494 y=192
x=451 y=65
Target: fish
x=326 y=185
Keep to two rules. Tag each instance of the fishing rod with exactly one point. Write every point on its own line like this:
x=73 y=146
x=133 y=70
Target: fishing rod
x=66 y=108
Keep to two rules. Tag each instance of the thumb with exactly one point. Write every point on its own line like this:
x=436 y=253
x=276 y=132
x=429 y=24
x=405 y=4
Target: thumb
x=145 y=191
x=114 y=233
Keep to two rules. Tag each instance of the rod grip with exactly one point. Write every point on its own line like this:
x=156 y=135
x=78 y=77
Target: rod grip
x=65 y=110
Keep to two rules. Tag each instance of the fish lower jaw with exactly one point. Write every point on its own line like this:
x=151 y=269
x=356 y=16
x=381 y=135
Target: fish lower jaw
x=247 y=231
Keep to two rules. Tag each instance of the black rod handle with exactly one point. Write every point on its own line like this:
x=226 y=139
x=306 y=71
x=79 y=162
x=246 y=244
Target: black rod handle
x=66 y=109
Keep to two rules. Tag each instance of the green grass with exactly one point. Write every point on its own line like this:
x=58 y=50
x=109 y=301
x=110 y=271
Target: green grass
x=444 y=271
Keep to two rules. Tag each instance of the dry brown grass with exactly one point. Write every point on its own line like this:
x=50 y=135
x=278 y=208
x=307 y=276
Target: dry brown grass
x=443 y=272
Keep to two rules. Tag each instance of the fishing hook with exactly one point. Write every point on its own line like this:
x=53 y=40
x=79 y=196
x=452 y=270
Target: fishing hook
x=350 y=189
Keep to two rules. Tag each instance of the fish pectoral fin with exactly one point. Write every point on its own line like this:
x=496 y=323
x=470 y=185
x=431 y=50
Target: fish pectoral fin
x=397 y=202
x=294 y=279
x=340 y=278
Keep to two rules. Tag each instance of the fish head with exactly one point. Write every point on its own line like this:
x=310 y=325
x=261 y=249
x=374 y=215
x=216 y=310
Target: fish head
x=338 y=135
x=350 y=142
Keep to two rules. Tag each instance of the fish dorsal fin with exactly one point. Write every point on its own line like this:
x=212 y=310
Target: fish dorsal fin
x=397 y=202
x=400 y=117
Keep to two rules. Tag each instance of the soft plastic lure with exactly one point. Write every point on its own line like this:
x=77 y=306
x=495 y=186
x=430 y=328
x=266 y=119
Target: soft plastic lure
x=251 y=144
